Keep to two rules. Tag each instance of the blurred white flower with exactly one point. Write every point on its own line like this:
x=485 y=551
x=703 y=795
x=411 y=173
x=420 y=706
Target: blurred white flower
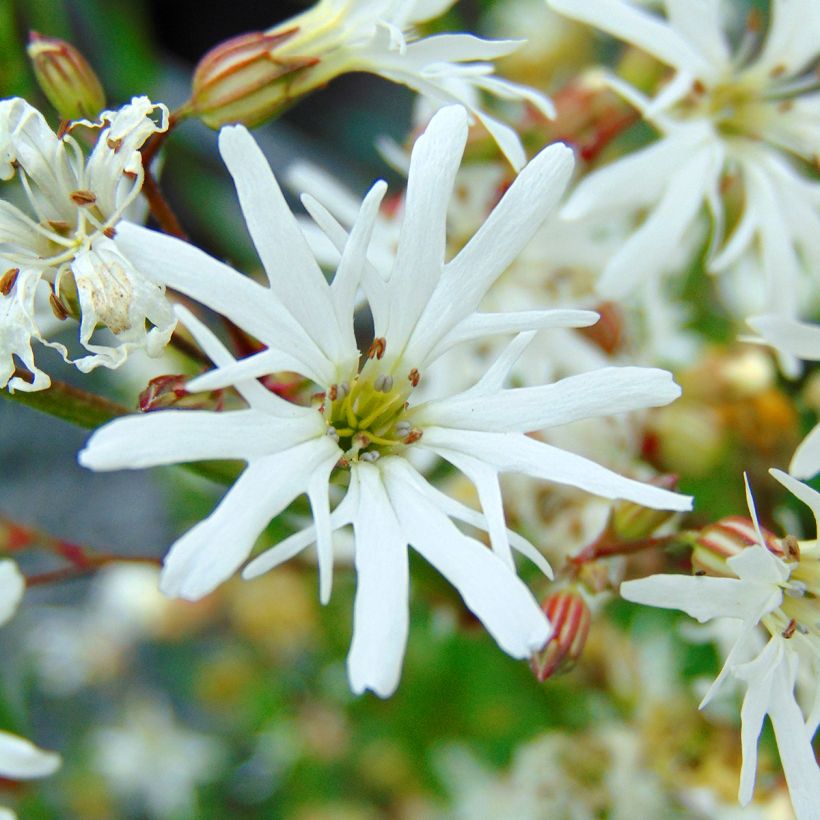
x=781 y=596
x=152 y=760
x=64 y=246
x=724 y=117
x=364 y=425
x=801 y=340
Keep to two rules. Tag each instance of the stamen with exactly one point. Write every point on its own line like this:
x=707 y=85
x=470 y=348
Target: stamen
x=83 y=198
x=377 y=348
x=331 y=433
x=402 y=429
x=414 y=376
x=791 y=547
x=370 y=455
x=413 y=436
x=57 y=307
x=8 y=280
x=110 y=232
x=790 y=629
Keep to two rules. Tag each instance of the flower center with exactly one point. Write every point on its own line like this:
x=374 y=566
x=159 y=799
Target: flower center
x=368 y=415
x=799 y=613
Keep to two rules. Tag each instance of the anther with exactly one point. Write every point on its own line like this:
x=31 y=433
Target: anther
x=414 y=376
x=110 y=232
x=383 y=383
x=414 y=435
x=332 y=393
x=403 y=428
x=370 y=455
x=377 y=348
x=790 y=629
x=57 y=307
x=114 y=144
x=343 y=389
x=7 y=281
x=59 y=225
x=130 y=174
x=83 y=198
x=331 y=433
x=796 y=590
x=791 y=547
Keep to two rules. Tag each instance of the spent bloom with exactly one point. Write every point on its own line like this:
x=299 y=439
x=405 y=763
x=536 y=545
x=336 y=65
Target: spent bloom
x=64 y=247
x=778 y=593
x=737 y=125
x=361 y=430
x=249 y=78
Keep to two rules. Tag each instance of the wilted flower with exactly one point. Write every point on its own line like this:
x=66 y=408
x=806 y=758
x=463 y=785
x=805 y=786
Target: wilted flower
x=65 y=248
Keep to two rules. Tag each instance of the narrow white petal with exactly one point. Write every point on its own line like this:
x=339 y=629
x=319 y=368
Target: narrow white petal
x=479 y=325
x=494 y=593
x=420 y=257
x=700 y=23
x=214 y=549
x=319 y=496
x=12 y=587
x=243 y=370
x=809 y=496
x=20 y=759
x=756 y=565
x=627 y=22
x=500 y=239
x=455 y=509
x=294 y=544
x=597 y=393
x=173 y=436
x=801 y=339
x=380 y=611
x=791 y=42
x=517 y=453
x=806 y=460
x=294 y=274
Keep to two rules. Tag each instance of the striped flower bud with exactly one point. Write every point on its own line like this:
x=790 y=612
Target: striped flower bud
x=246 y=79
x=65 y=77
x=726 y=538
x=570 y=618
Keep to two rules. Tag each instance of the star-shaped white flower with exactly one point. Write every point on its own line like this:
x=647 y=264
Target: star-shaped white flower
x=364 y=426
x=782 y=597
x=725 y=117
x=65 y=244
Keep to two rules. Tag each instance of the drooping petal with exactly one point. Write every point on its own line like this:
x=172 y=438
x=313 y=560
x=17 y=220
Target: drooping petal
x=20 y=759
x=214 y=549
x=516 y=453
x=808 y=495
x=801 y=339
x=489 y=588
x=380 y=612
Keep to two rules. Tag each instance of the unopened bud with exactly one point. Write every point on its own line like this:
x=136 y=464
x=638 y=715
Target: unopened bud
x=570 y=618
x=65 y=77
x=245 y=79
x=631 y=522
x=169 y=391
x=726 y=538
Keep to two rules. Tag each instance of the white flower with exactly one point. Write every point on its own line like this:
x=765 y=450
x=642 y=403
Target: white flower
x=724 y=118
x=364 y=426
x=65 y=244
x=802 y=341
x=12 y=586
x=150 y=759
x=780 y=596
x=376 y=36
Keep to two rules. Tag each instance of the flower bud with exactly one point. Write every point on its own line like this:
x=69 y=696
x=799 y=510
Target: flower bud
x=66 y=78
x=570 y=618
x=244 y=79
x=631 y=522
x=163 y=392
x=726 y=538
